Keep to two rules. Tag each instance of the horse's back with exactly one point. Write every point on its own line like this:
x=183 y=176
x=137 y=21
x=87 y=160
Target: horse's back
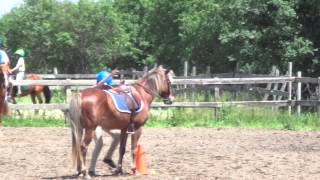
x=98 y=109
x=33 y=77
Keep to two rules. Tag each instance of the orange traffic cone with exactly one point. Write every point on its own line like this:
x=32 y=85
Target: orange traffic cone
x=140 y=161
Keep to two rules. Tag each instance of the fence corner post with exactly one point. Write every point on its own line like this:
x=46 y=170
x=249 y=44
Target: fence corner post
x=318 y=94
x=289 y=87
x=299 y=93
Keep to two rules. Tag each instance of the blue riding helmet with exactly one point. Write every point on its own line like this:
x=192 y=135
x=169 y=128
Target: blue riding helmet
x=102 y=75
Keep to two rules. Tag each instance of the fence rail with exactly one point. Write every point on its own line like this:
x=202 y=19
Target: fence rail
x=204 y=81
x=68 y=83
x=281 y=103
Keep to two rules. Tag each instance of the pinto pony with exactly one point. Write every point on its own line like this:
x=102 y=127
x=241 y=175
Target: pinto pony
x=35 y=91
x=94 y=107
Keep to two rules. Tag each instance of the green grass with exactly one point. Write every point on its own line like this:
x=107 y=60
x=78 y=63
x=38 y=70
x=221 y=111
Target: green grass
x=58 y=96
x=231 y=117
x=32 y=122
x=227 y=117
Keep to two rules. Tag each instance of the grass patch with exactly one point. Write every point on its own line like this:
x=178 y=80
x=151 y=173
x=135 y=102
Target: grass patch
x=32 y=122
x=231 y=117
x=227 y=117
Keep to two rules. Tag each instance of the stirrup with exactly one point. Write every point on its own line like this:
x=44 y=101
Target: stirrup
x=130 y=131
x=9 y=99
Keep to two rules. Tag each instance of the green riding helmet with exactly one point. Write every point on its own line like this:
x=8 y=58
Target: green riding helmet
x=20 y=52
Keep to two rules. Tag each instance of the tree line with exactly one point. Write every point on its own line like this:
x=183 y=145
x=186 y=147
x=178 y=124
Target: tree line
x=90 y=35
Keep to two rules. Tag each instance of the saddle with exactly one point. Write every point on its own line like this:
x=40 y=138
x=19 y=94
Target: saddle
x=127 y=101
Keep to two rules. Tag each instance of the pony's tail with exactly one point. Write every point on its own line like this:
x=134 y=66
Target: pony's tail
x=47 y=94
x=76 y=129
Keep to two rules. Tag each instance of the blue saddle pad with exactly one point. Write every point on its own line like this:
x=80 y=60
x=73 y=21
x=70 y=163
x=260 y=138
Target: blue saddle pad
x=121 y=104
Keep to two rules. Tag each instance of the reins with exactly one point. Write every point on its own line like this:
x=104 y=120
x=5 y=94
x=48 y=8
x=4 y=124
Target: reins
x=147 y=90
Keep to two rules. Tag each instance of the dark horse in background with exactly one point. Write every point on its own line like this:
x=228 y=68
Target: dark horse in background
x=3 y=91
x=35 y=91
x=94 y=107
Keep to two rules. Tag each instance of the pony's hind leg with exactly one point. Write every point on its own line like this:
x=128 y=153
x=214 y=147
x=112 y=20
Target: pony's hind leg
x=134 y=142
x=40 y=101
x=123 y=143
x=82 y=170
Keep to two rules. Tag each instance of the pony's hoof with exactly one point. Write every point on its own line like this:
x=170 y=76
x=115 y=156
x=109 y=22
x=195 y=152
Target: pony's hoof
x=84 y=175
x=110 y=163
x=93 y=174
x=80 y=174
x=119 y=172
x=133 y=171
x=87 y=176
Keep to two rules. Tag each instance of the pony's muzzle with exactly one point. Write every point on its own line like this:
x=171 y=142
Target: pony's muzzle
x=168 y=100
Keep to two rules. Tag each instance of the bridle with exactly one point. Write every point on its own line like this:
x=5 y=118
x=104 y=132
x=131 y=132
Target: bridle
x=155 y=94
x=147 y=90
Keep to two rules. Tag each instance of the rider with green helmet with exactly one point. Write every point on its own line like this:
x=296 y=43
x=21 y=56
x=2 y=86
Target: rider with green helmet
x=20 y=67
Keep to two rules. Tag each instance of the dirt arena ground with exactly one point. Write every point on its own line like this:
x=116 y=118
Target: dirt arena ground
x=171 y=154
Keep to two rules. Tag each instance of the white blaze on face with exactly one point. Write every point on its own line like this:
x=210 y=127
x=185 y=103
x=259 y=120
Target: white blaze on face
x=170 y=77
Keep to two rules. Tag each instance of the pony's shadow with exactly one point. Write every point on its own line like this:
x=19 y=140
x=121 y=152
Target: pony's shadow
x=77 y=177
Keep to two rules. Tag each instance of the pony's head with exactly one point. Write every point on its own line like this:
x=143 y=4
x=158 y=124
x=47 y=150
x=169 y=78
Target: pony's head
x=159 y=82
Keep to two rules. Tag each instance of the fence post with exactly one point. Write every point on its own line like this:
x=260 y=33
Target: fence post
x=68 y=92
x=133 y=73
x=318 y=94
x=193 y=73
x=283 y=87
x=290 y=87
x=55 y=70
x=208 y=71
x=145 y=70
x=299 y=93
x=269 y=85
x=275 y=87
x=185 y=69
x=185 y=74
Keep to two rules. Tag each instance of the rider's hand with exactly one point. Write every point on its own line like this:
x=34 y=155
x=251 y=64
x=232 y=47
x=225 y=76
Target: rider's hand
x=115 y=72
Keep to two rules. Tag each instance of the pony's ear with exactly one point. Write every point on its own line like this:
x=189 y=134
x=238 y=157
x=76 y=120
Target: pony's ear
x=152 y=70
x=170 y=71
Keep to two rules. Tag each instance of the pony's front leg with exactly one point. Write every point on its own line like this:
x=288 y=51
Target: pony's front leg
x=33 y=99
x=84 y=148
x=123 y=143
x=134 y=142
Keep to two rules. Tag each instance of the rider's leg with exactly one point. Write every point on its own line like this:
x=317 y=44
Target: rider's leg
x=20 y=76
x=6 y=80
x=8 y=87
x=96 y=151
x=115 y=135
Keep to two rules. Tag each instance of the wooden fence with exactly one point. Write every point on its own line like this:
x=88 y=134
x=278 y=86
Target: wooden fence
x=68 y=83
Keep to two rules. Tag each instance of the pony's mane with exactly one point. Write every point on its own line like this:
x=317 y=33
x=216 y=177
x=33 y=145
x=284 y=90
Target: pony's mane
x=154 y=79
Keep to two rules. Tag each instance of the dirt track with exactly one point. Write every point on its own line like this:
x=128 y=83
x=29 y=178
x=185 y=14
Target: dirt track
x=29 y=153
